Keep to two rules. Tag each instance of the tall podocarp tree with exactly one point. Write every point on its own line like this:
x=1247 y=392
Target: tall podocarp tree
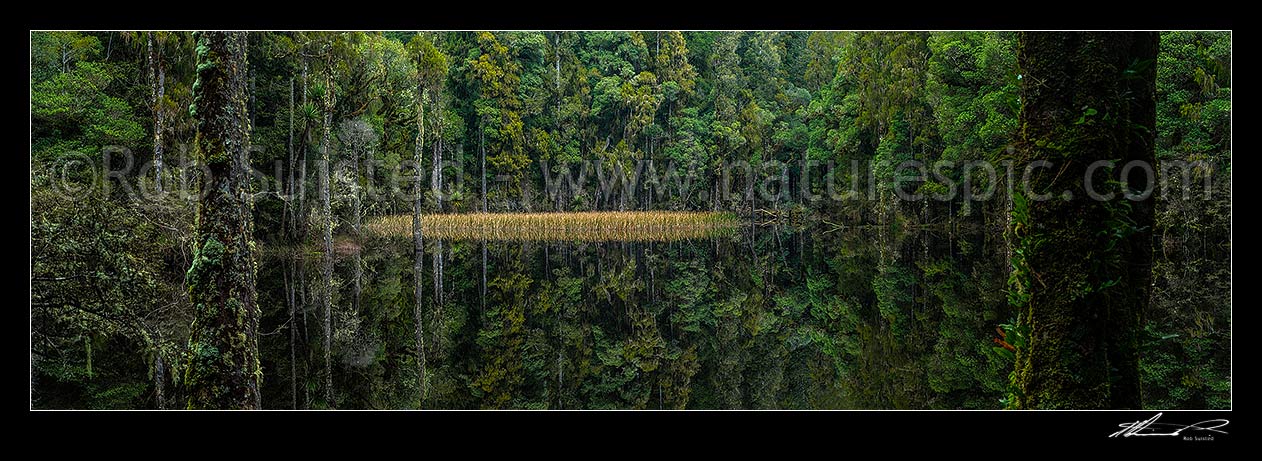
x=223 y=368
x=1082 y=263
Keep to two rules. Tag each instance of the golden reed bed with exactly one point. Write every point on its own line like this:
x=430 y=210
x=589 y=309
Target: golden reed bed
x=600 y=226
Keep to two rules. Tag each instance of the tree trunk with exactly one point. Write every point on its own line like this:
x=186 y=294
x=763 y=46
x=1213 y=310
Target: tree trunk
x=438 y=297
x=326 y=229
x=357 y=207
x=482 y=148
x=303 y=302
x=302 y=158
x=289 y=185
x=1128 y=313
x=483 y=296
x=158 y=80
x=714 y=194
x=1085 y=263
x=556 y=114
x=436 y=177
x=290 y=283
x=326 y=321
x=223 y=369
x=159 y=379
x=418 y=240
x=358 y=260
x=437 y=272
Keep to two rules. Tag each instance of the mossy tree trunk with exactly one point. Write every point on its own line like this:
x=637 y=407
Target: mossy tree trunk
x=1084 y=263
x=1141 y=97
x=223 y=369
x=418 y=240
x=326 y=231
x=157 y=76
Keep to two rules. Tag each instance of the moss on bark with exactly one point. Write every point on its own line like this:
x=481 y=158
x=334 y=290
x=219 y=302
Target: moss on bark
x=223 y=368
x=1086 y=98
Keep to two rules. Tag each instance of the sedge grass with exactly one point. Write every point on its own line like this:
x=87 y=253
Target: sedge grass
x=597 y=226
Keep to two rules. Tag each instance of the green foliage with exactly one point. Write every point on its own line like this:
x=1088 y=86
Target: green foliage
x=1194 y=97
x=877 y=320
x=1186 y=349
x=75 y=108
x=972 y=76
x=101 y=279
x=60 y=52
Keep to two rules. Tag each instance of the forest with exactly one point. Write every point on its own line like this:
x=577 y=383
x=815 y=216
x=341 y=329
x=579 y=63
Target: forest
x=630 y=220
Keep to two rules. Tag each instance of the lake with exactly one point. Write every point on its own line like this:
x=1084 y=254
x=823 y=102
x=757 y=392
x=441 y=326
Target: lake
x=766 y=317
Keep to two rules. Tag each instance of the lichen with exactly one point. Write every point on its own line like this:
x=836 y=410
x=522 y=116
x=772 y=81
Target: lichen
x=223 y=368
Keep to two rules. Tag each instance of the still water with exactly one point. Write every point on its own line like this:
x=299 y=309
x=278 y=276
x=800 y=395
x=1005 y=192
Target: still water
x=762 y=318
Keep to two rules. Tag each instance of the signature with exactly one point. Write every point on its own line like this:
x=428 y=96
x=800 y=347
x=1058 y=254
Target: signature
x=1150 y=427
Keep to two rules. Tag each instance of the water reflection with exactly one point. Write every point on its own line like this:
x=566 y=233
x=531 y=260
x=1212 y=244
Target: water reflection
x=757 y=319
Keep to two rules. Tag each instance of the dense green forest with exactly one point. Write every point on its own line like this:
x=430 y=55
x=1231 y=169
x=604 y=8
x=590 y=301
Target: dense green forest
x=194 y=195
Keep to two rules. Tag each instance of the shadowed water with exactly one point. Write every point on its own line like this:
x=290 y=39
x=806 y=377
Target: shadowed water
x=761 y=318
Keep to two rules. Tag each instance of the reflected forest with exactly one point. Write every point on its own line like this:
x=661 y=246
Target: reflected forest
x=630 y=220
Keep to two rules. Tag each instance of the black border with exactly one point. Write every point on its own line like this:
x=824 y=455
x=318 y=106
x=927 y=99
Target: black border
x=1071 y=15
x=988 y=434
